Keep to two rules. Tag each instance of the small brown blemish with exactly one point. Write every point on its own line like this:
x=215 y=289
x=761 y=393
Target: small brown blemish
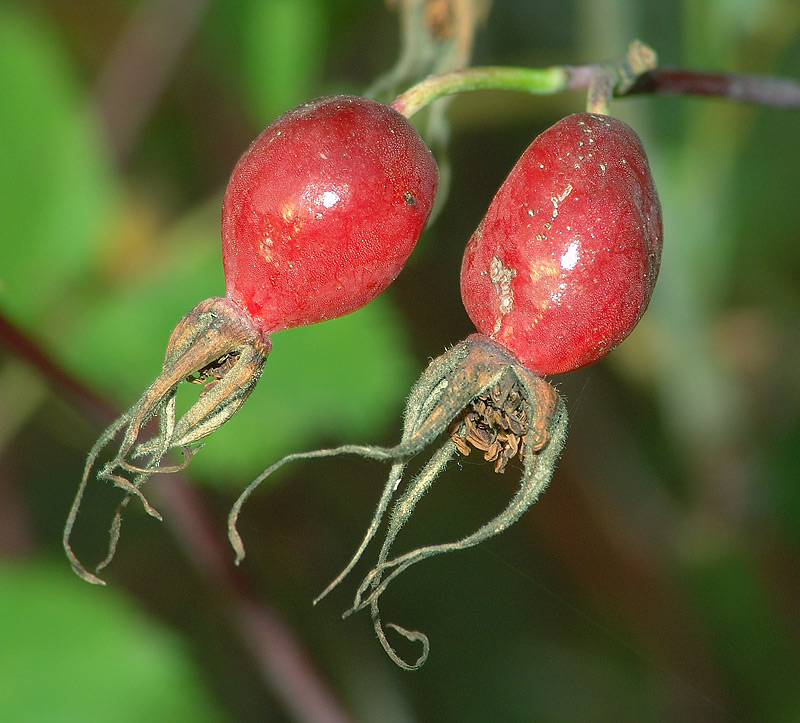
x=555 y=200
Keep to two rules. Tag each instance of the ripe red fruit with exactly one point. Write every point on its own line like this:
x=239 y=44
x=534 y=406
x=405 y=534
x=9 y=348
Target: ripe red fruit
x=563 y=265
x=323 y=209
x=319 y=217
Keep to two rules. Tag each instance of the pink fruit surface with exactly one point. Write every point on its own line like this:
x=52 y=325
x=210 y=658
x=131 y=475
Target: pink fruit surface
x=564 y=263
x=323 y=209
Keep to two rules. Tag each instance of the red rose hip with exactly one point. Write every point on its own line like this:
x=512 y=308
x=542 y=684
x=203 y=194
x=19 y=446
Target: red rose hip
x=319 y=217
x=563 y=265
x=323 y=209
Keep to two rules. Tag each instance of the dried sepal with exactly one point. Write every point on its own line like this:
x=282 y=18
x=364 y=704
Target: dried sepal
x=215 y=344
x=510 y=410
x=542 y=440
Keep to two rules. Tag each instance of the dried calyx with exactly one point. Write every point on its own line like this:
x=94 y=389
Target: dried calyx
x=474 y=395
x=495 y=423
x=215 y=345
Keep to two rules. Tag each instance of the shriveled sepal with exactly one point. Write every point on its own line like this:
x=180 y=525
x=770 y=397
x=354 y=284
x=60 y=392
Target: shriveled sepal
x=216 y=345
x=474 y=395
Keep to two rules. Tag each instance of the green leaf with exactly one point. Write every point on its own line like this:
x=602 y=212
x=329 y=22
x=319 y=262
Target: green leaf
x=74 y=652
x=57 y=185
x=283 y=42
x=118 y=335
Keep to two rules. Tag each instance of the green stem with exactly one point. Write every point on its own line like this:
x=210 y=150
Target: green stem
x=635 y=74
x=602 y=81
x=541 y=81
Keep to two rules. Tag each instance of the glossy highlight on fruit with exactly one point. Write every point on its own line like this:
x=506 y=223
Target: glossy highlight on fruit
x=563 y=264
x=323 y=209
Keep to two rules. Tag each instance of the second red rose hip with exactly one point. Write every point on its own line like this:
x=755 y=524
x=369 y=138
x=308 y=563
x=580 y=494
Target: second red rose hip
x=564 y=263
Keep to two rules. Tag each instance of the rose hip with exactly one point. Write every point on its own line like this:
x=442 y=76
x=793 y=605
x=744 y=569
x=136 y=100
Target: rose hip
x=563 y=265
x=323 y=209
x=560 y=269
x=320 y=214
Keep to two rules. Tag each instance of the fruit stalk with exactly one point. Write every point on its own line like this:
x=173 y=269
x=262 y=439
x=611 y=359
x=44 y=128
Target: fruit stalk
x=601 y=80
x=539 y=81
x=635 y=74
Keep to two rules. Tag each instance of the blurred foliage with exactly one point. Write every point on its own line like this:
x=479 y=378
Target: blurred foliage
x=71 y=654
x=659 y=577
x=58 y=184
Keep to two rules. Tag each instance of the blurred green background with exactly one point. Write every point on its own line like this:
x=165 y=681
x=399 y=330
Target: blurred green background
x=659 y=576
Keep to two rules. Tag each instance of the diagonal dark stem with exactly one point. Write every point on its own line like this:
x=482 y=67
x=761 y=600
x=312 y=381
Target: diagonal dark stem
x=284 y=666
x=761 y=90
x=96 y=409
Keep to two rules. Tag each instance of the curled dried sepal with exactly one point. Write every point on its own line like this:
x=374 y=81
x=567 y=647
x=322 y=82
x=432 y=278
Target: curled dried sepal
x=216 y=345
x=479 y=393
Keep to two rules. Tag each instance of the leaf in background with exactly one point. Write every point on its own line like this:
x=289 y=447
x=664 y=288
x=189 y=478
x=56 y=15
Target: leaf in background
x=71 y=652
x=56 y=184
x=284 y=51
x=119 y=336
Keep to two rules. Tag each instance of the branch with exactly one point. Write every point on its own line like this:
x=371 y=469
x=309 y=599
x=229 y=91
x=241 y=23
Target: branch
x=284 y=666
x=91 y=405
x=635 y=74
x=761 y=90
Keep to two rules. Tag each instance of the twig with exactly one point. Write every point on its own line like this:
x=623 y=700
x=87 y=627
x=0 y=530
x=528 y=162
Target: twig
x=635 y=74
x=91 y=405
x=762 y=90
x=278 y=655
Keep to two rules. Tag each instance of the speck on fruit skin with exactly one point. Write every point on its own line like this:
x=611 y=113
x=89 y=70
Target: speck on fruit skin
x=577 y=224
x=323 y=210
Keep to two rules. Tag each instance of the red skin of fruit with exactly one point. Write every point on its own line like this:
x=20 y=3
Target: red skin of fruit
x=563 y=265
x=323 y=209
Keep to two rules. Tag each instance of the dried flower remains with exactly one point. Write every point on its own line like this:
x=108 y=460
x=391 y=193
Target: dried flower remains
x=476 y=395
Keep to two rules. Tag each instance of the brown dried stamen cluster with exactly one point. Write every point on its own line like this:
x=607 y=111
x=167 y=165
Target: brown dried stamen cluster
x=212 y=373
x=495 y=423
